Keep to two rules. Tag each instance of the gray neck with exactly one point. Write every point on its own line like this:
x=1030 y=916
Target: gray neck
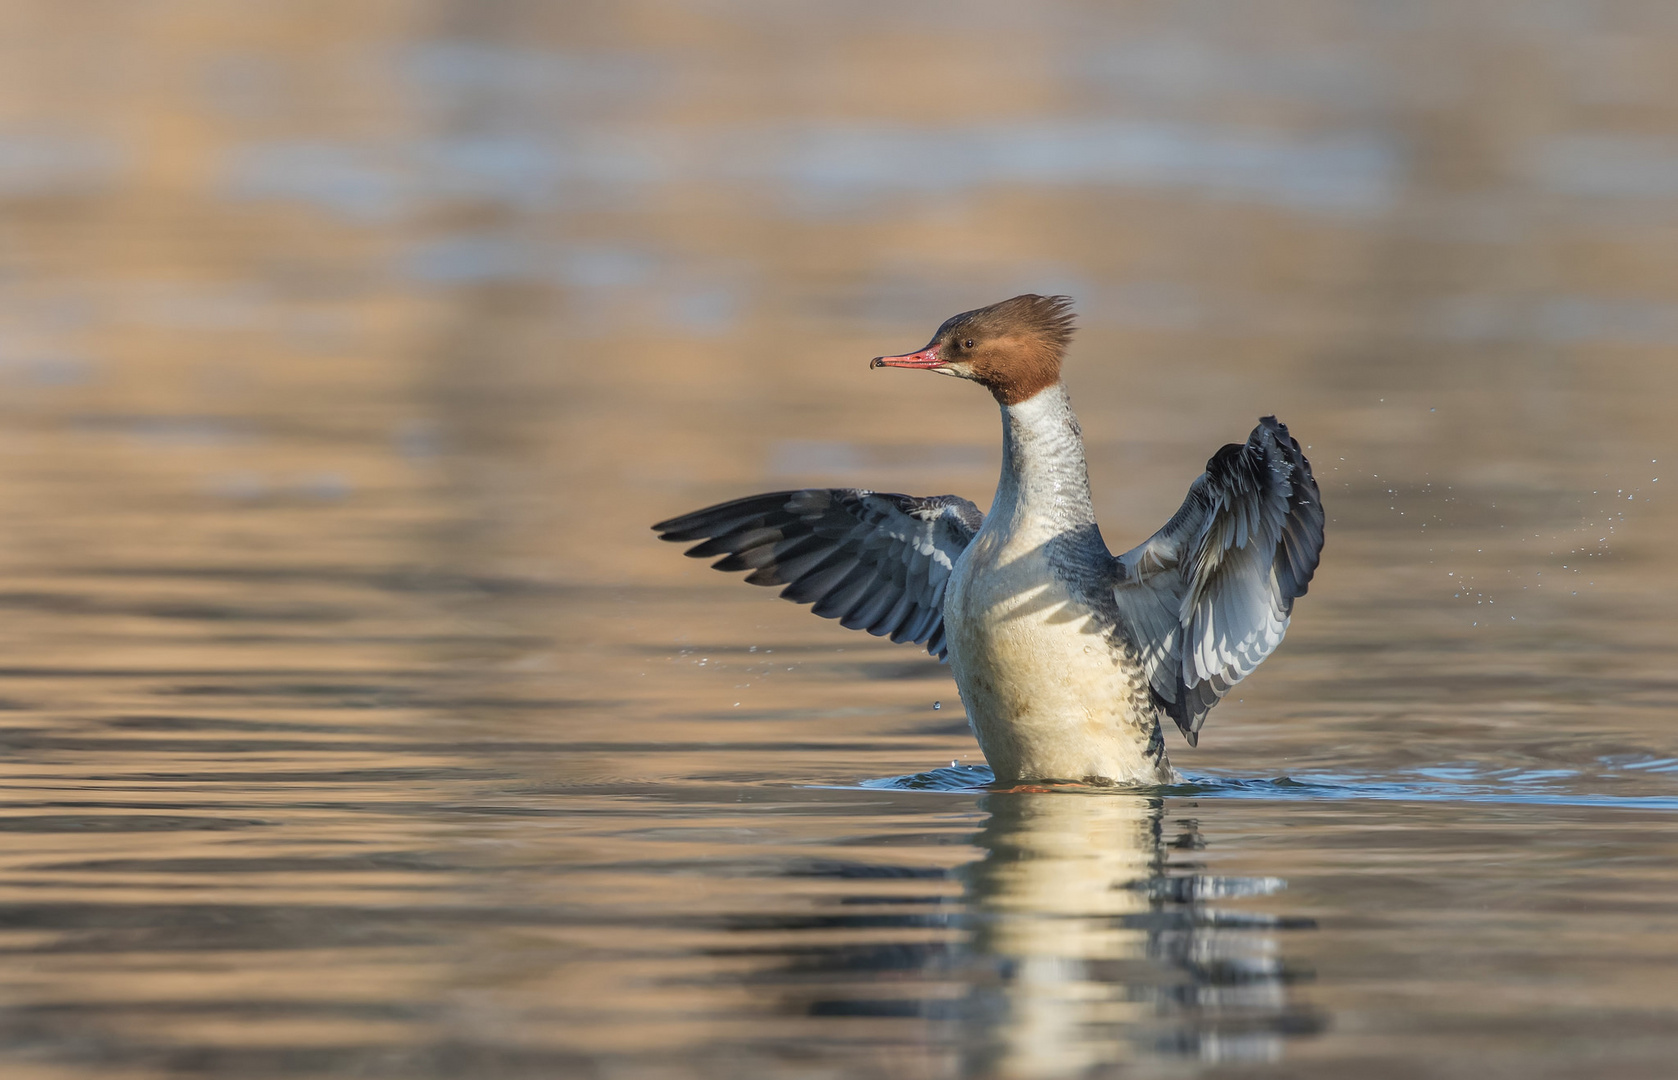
x=1045 y=481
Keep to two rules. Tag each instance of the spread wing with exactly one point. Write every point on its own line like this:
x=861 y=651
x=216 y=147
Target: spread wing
x=874 y=561
x=1208 y=597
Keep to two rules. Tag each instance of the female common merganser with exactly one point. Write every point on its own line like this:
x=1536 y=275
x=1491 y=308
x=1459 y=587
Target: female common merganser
x=1067 y=658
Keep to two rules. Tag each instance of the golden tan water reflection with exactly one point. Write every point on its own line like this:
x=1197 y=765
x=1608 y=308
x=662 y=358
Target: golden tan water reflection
x=354 y=723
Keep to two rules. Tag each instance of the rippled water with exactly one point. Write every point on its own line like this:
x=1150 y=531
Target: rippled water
x=355 y=724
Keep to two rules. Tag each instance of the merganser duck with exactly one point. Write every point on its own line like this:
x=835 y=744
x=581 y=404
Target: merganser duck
x=1067 y=659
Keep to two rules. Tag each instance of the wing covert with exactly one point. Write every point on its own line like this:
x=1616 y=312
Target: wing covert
x=1208 y=597
x=874 y=561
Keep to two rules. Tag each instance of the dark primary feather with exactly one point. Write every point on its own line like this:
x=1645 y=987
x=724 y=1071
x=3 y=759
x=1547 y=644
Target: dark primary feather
x=1208 y=597
x=874 y=561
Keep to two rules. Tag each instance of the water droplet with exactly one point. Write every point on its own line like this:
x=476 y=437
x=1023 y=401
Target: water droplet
x=937 y=704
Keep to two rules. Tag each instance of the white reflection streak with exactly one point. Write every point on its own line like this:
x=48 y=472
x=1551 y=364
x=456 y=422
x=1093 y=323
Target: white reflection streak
x=1045 y=900
x=1073 y=901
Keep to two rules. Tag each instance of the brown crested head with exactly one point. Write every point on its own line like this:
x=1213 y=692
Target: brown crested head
x=1013 y=348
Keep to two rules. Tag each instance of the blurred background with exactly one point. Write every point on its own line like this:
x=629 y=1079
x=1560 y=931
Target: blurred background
x=526 y=276
x=353 y=721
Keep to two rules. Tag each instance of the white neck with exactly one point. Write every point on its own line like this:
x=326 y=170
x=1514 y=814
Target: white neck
x=1045 y=480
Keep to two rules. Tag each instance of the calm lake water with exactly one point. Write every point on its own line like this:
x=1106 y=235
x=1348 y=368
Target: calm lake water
x=355 y=724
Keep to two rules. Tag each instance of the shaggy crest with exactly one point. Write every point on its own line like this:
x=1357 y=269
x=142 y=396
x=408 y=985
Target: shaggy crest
x=1048 y=319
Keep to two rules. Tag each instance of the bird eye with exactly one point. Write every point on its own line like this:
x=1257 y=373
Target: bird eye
x=968 y=344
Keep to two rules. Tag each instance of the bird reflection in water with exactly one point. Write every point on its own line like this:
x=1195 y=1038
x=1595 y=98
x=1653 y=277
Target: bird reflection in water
x=1086 y=937
x=1105 y=949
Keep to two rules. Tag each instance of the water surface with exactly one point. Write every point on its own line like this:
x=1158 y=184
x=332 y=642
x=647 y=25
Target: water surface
x=354 y=723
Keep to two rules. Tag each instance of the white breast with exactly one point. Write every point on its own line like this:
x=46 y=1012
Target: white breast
x=1048 y=696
